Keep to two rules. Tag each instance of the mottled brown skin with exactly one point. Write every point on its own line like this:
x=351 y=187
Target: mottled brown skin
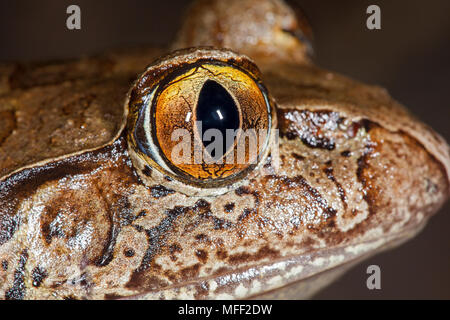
x=357 y=175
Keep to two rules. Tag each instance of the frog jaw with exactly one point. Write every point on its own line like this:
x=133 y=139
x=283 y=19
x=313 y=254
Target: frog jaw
x=296 y=277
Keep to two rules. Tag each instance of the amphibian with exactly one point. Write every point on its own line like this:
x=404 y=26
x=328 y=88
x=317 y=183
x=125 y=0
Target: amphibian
x=93 y=204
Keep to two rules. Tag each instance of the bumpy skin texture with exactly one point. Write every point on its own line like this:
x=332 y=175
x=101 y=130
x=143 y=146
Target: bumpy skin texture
x=357 y=174
x=266 y=30
x=50 y=110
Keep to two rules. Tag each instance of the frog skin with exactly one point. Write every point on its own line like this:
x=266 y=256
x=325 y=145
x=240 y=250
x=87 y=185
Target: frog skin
x=84 y=216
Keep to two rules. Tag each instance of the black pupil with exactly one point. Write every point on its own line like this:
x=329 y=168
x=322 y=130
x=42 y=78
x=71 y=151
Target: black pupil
x=216 y=110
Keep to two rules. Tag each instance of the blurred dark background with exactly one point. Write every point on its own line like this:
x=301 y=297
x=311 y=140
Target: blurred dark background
x=410 y=56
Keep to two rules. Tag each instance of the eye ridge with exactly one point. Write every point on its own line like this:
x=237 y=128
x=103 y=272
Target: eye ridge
x=216 y=109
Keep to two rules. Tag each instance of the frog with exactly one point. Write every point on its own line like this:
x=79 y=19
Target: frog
x=94 y=203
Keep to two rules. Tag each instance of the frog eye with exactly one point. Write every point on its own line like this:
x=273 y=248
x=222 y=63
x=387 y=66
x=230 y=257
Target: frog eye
x=203 y=118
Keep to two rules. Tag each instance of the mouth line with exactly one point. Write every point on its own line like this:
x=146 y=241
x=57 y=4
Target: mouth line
x=297 y=269
x=395 y=241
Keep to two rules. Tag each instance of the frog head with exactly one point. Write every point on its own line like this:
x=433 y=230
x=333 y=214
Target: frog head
x=139 y=202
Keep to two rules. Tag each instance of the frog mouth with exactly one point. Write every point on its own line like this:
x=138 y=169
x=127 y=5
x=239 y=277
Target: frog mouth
x=293 y=277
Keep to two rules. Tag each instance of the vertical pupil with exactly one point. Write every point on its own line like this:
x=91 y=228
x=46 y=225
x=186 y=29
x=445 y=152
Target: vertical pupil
x=216 y=110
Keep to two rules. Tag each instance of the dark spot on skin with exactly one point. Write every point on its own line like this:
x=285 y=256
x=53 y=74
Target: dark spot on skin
x=353 y=129
x=309 y=242
x=291 y=135
x=38 y=275
x=242 y=190
x=129 y=253
x=156 y=266
x=8 y=226
x=246 y=190
x=309 y=126
x=157 y=243
x=112 y=296
x=320 y=143
x=221 y=271
x=201 y=204
x=221 y=254
x=229 y=207
x=70 y=298
x=156 y=234
x=50 y=227
x=167 y=178
x=17 y=291
x=5 y=265
x=201 y=255
x=147 y=171
x=298 y=157
x=342 y=194
x=169 y=274
x=120 y=215
x=222 y=224
x=202 y=290
x=191 y=226
x=346 y=153
x=190 y=272
x=367 y=125
x=156 y=238
x=202 y=238
x=247 y=212
x=141 y=214
x=173 y=249
x=331 y=213
x=160 y=191
x=331 y=224
x=264 y=252
x=363 y=165
x=239 y=257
